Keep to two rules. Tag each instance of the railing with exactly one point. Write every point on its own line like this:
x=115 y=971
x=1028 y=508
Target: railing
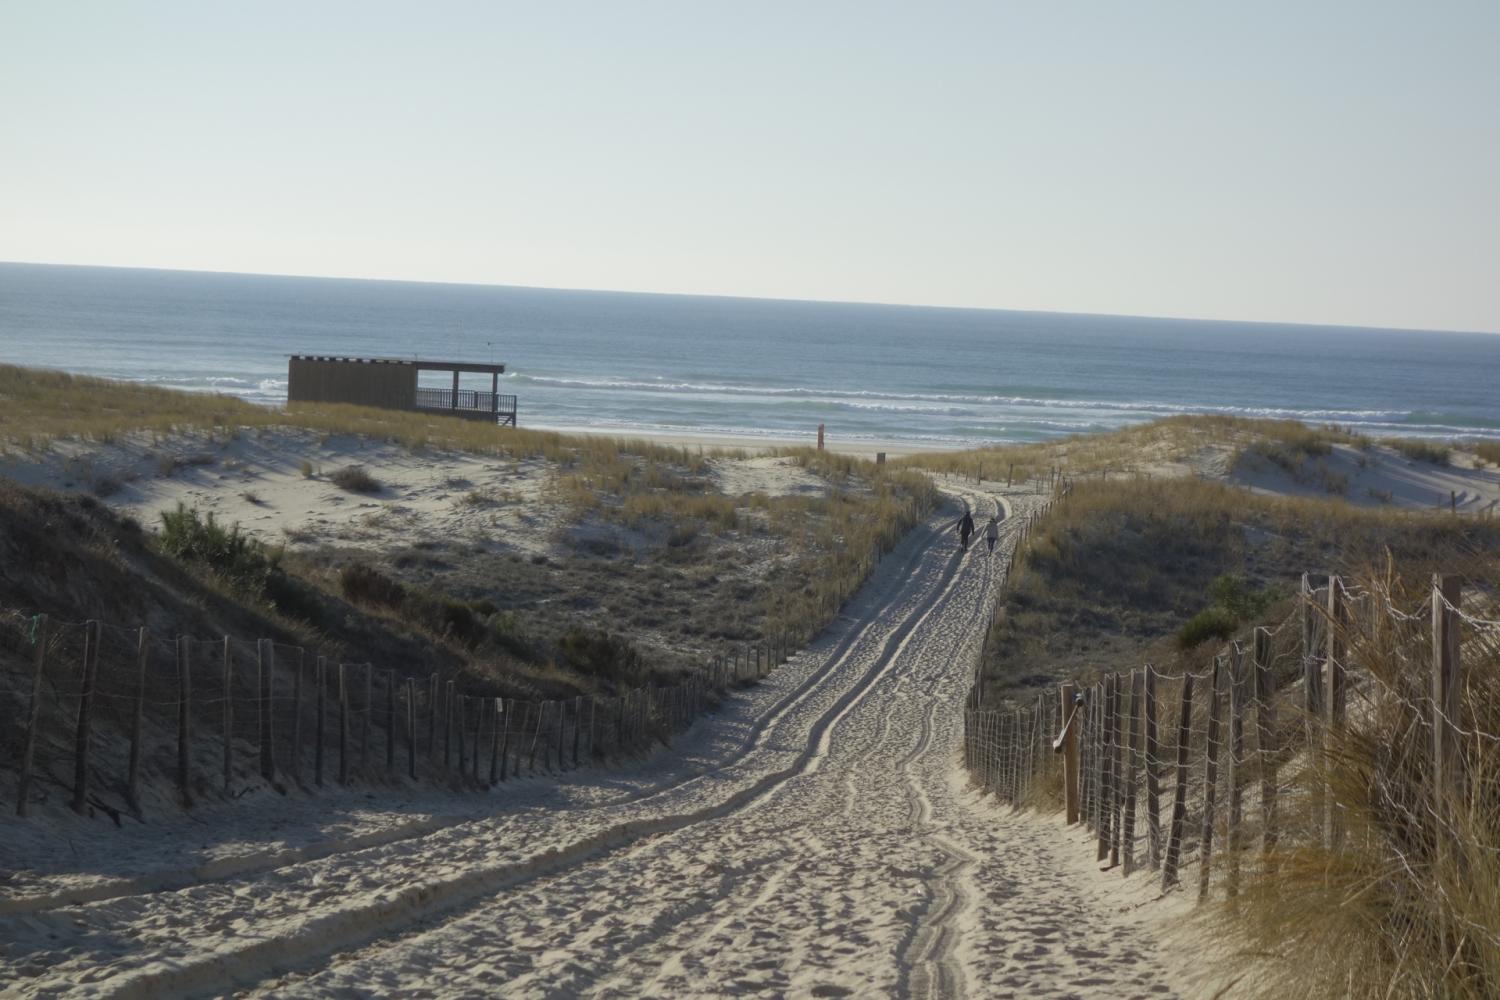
x=468 y=399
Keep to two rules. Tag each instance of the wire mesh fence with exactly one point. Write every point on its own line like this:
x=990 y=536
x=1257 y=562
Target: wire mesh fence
x=107 y=717
x=1228 y=767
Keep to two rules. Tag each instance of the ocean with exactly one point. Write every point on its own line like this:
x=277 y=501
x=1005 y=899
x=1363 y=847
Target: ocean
x=915 y=377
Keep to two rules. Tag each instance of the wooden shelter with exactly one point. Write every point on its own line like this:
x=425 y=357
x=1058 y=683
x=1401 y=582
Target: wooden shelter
x=394 y=384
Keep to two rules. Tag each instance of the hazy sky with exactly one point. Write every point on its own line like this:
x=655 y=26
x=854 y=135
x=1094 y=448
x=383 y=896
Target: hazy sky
x=1320 y=162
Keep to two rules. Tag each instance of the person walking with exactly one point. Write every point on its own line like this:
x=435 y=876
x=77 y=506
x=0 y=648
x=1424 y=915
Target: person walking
x=992 y=533
x=965 y=529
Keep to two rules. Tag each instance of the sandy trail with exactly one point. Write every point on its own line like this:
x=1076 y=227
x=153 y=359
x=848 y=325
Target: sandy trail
x=816 y=839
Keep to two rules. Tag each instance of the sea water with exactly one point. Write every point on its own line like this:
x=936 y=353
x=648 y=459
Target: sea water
x=753 y=368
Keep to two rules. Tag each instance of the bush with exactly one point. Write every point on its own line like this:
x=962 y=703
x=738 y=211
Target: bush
x=355 y=479
x=1215 y=622
x=1489 y=451
x=238 y=558
x=367 y=585
x=596 y=653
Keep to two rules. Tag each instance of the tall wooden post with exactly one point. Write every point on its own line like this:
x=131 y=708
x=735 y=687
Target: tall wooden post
x=1265 y=717
x=343 y=724
x=1153 y=774
x=1334 y=695
x=1179 y=801
x=88 y=679
x=184 y=719
x=320 y=678
x=1237 y=698
x=495 y=723
x=411 y=728
x=390 y=722
x=228 y=714
x=1210 y=775
x=133 y=767
x=1447 y=681
x=364 y=725
x=1106 y=768
x=1133 y=770
x=297 y=715
x=1070 y=752
x=41 y=635
x=267 y=659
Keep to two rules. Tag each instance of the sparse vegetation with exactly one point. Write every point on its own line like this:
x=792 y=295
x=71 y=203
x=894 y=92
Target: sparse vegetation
x=1488 y=451
x=1419 y=450
x=227 y=552
x=355 y=479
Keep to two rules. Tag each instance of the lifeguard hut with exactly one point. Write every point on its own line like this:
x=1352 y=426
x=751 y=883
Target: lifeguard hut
x=396 y=384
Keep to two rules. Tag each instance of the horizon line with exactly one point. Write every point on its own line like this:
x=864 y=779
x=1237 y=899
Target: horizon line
x=749 y=298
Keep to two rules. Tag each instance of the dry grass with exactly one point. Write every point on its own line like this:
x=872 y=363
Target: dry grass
x=1488 y=451
x=1408 y=904
x=1433 y=452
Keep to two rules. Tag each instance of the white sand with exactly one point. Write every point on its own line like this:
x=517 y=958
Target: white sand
x=815 y=839
x=257 y=480
x=1379 y=476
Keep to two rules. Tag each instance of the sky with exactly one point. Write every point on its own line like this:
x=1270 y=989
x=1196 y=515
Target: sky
x=1317 y=162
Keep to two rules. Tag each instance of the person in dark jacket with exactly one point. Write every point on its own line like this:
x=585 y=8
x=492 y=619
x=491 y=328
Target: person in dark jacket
x=965 y=529
x=992 y=533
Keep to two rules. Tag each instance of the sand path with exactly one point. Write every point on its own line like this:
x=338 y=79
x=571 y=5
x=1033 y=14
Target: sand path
x=815 y=839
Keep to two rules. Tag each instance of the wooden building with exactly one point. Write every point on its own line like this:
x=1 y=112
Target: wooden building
x=394 y=384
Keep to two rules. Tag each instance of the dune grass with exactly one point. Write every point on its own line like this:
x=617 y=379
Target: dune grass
x=1406 y=903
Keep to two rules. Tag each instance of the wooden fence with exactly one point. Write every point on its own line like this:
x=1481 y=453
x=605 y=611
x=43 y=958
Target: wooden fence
x=1225 y=765
x=111 y=712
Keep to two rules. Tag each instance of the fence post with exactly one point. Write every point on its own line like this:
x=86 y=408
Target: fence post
x=133 y=768
x=411 y=728
x=1070 y=753
x=505 y=714
x=1312 y=691
x=184 y=719
x=1153 y=774
x=1106 y=771
x=448 y=726
x=364 y=725
x=88 y=678
x=562 y=729
x=267 y=660
x=495 y=714
x=1447 y=677
x=457 y=703
x=228 y=713
x=1134 y=769
x=1236 y=765
x=320 y=678
x=1179 y=801
x=390 y=722
x=343 y=724
x=297 y=716
x=1334 y=695
x=1210 y=775
x=1116 y=770
x=432 y=703
x=1265 y=718
x=537 y=736
x=42 y=634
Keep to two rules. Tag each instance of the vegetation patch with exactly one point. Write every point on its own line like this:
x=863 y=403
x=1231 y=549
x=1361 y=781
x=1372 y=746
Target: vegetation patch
x=355 y=479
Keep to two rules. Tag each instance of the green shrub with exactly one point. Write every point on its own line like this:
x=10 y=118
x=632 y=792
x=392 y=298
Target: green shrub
x=1234 y=594
x=1216 y=623
x=596 y=653
x=241 y=560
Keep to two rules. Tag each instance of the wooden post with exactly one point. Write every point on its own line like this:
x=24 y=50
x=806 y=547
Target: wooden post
x=432 y=702
x=1179 y=802
x=448 y=726
x=297 y=716
x=536 y=737
x=1237 y=699
x=1312 y=690
x=228 y=713
x=1334 y=694
x=390 y=722
x=495 y=716
x=343 y=724
x=1153 y=773
x=458 y=708
x=1210 y=775
x=364 y=724
x=1447 y=684
x=184 y=719
x=1265 y=717
x=41 y=635
x=562 y=729
x=1116 y=770
x=1070 y=753
x=320 y=678
x=411 y=728
x=267 y=660
x=577 y=718
x=133 y=767
x=1106 y=772
x=1133 y=770
x=88 y=676
x=505 y=714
